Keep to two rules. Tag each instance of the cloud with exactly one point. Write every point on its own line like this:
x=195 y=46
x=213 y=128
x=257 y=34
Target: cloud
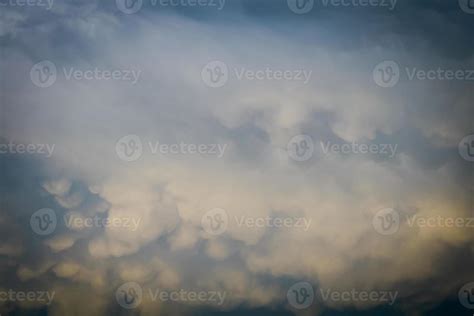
x=167 y=195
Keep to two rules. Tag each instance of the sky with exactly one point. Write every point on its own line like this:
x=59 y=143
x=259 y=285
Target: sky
x=237 y=157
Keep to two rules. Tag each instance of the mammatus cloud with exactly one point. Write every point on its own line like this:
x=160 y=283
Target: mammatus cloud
x=169 y=195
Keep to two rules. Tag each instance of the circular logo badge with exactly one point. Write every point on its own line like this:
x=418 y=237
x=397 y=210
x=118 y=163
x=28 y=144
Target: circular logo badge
x=215 y=74
x=386 y=74
x=129 y=148
x=43 y=74
x=300 y=295
x=44 y=221
x=129 y=295
x=215 y=221
x=300 y=148
x=466 y=148
x=300 y=6
x=129 y=6
x=386 y=221
x=466 y=295
x=467 y=6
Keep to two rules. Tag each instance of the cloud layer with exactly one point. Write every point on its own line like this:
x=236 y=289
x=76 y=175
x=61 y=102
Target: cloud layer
x=164 y=195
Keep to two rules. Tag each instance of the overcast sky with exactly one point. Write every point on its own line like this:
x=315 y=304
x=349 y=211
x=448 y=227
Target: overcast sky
x=278 y=157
